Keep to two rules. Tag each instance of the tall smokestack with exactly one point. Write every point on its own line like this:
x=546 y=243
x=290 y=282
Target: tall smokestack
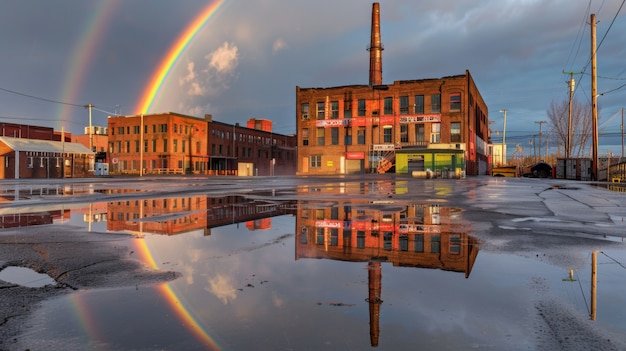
x=376 y=48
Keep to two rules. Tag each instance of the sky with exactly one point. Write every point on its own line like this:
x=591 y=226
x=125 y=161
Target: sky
x=247 y=57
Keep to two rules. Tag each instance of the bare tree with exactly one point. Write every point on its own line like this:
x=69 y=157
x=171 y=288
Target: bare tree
x=581 y=125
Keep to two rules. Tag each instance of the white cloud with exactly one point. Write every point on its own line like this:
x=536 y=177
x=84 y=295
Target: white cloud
x=225 y=59
x=279 y=44
x=222 y=287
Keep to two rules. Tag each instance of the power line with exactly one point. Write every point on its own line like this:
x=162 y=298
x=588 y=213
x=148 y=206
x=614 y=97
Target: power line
x=40 y=98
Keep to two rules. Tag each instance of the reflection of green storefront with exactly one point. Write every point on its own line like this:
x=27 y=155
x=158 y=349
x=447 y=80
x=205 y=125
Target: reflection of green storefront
x=408 y=161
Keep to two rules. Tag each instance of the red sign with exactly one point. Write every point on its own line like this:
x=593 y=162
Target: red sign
x=355 y=155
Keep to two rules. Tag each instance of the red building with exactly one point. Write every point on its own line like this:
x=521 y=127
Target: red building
x=172 y=143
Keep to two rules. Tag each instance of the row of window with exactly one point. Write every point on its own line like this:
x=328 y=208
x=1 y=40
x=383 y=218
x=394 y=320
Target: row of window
x=404 y=107
x=387 y=134
x=217 y=150
x=404 y=240
x=156 y=128
x=154 y=143
x=242 y=137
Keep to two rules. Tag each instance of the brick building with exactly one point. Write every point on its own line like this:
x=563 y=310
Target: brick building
x=40 y=152
x=437 y=124
x=172 y=143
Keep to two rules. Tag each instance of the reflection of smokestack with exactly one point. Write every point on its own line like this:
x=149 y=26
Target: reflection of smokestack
x=376 y=48
x=374 y=279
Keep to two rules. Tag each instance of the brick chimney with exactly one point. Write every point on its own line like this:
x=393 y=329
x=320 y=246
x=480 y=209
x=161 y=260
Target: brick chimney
x=376 y=48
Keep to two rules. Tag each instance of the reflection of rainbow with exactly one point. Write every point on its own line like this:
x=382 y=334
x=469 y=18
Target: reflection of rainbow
x=168 y=62
x=83 y=54
x=175 y=303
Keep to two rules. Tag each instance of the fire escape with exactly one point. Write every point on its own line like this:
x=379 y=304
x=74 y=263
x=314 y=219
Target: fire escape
x=387 y=160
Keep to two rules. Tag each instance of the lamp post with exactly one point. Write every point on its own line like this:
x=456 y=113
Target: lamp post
x=504 y=137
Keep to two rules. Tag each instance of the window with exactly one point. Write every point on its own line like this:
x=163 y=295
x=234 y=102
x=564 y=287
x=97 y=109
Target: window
x=455 y=132
x=136 y=145
x=404 y=133
x=304 y=110
x=435 y=244
x=305 y=136
x=435 y=103
x=320 y=110
x=387 y=134
x=419 y=132
x=136 y=129
x=175 y=145
x=128 y=146
x=388 y=106
x=419 y=104
x=361 y=135
x=419 y=243
x=435 y=133
x=334 y=236
x=455 y=102
x=154 y=148
x=184 y=146
x=404 y=105
x=361 y=107
x=319 y=236
x=360 y=239
x=455 y=244
x=320 y=136
x=145 y=146
x=316 y=161
x=348 y=137
x=334 y=109
x=387 y=237
x=119 y=146
x=404 y=242
x=120 y=130
x=334 y=136
x=347 y=109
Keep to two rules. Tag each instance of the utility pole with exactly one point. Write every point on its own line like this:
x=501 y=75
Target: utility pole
x=540 y=123
x=90 y=106
x=504 y=137
x=568 y=143
x=594 y=98
x=622 y=128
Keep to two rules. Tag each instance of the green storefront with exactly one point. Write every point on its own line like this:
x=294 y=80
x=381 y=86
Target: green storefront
x=408 y=161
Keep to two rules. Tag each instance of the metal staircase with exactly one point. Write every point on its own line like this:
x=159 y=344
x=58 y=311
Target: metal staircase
x=386 y=162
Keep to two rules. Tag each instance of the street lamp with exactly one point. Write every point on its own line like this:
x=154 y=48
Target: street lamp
x=504 y=137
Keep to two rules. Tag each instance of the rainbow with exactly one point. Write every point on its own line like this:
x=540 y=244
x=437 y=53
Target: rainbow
x=83 y=54
x=175 y=303
x=174 y=53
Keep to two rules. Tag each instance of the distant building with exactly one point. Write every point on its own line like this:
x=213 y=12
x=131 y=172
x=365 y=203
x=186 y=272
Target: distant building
x=97 y=140
x=410 y=125
x=40 y=152
x=172 y=143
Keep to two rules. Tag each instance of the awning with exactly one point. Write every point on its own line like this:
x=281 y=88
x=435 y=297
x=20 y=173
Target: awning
x=35 y=145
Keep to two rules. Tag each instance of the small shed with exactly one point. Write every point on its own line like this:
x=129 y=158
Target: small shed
x=33 y=158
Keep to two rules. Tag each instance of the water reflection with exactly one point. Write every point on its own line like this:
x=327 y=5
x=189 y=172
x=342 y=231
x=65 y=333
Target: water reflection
x=404 y=234
x=259 y=290
x=172 y=216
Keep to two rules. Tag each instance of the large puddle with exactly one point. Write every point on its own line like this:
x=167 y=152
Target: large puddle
x=338 y=274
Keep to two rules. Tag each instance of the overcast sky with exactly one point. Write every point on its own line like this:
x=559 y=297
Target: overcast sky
x=250 y=56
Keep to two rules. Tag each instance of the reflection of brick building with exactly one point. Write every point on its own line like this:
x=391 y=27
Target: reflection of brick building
x=408 y=235
x=172 y=143
x=410 y=125
x=172 y=216
x=15 y=220
x=414 y=236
